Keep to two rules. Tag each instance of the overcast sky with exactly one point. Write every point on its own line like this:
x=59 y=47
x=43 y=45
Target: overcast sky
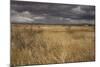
x=50 y=13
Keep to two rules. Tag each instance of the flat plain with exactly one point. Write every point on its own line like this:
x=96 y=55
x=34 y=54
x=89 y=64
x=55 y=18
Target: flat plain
x=49 y=44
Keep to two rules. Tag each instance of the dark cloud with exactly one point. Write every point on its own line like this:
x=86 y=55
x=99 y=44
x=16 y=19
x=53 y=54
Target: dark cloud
x=45 y=11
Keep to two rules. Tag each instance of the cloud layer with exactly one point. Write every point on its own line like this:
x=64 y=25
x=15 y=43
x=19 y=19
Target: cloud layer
x=35 y=12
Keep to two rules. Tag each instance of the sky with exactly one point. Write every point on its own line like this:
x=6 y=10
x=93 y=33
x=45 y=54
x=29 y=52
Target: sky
x=51 y=13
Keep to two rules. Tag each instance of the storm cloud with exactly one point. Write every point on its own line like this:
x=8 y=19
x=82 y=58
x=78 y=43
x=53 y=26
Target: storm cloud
x=35 y=12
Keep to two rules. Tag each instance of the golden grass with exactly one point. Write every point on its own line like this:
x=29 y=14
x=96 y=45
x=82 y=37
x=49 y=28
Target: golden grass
x=47 y=44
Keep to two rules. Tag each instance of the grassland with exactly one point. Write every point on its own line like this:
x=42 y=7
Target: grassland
x=47 y=44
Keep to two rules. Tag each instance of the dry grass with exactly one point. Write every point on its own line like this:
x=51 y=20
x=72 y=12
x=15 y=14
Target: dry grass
x=47 y=44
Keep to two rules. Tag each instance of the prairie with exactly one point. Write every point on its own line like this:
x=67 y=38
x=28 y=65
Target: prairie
x=49 y=44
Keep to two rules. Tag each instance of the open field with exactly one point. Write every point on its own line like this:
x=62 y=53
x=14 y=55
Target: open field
x=47 y=44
